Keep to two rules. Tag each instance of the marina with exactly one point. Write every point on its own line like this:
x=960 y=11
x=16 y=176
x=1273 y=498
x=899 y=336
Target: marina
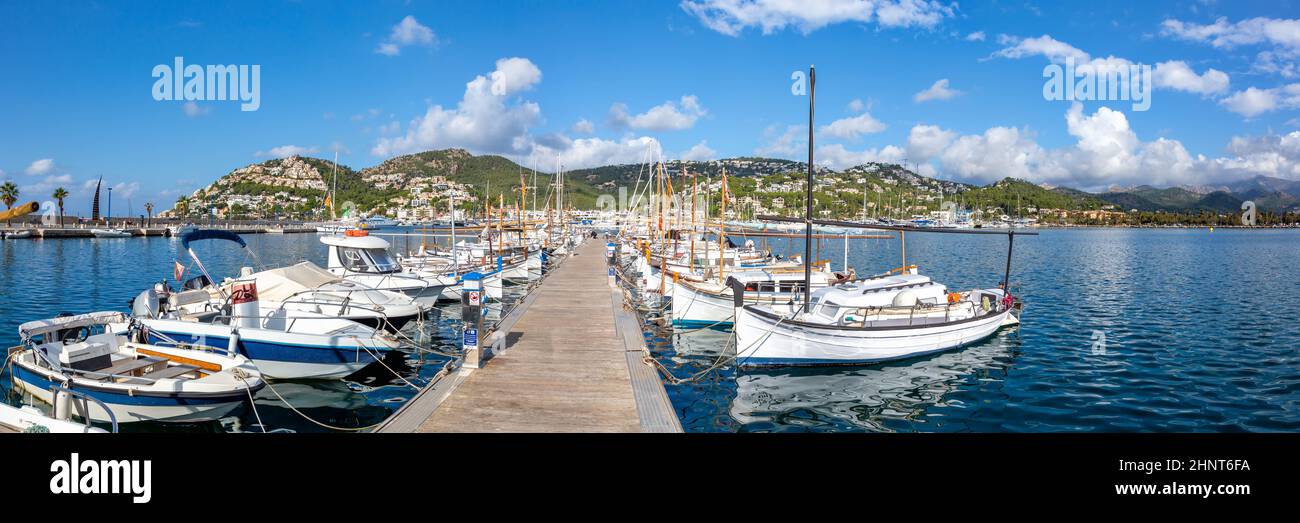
x=1103 y=370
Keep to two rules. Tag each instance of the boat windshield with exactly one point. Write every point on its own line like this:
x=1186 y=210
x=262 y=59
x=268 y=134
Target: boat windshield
x=384 y=261
x=368 y=260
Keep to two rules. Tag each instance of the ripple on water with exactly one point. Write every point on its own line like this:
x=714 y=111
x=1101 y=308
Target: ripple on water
x=1198 y=327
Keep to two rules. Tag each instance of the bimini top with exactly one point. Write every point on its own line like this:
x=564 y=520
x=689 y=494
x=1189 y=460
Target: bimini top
x=210 y=234
x=38 y=327
x=358 y=242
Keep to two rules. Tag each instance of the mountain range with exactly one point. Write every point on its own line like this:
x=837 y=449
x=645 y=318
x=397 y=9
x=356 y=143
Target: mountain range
x=389 y=185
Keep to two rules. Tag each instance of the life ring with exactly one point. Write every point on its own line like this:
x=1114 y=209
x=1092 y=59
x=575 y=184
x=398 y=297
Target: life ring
x=954 y=297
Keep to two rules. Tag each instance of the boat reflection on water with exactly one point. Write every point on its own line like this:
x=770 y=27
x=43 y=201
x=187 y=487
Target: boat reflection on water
x=885 y=398
x=332 y=402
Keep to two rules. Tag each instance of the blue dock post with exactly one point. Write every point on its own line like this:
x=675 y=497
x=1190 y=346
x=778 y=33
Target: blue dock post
x=471 y=302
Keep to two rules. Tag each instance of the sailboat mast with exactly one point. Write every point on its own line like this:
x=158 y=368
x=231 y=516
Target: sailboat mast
x=694 y=196
x=455 y=260
x=808 y=225
x=722 y=229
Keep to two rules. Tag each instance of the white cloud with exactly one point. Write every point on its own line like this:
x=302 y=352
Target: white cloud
x=977 y=36
x=1225 y=35
x=592 y=152
x=938 y=91
x=408 y=32
x=1176 y=74
x=836 y=156
x=1254 y=101
x=700 y=152
x=584 y=126
x=856 y=106
x=852 y=127
x=45 y=187
x=125 y=189
x=484 y=121
x=194 y=110
x=785 y=144
x=927 y=141
x=731 y=17
x=1046 y=46
x=1173 y=74
x=285 y=151
x=997 y=153
x=40 y=167
x=668 y=116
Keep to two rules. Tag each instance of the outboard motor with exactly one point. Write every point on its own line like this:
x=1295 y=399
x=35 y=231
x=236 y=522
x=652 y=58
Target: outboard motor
x=146 y=304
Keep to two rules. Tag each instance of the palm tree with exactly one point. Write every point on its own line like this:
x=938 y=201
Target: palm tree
x=9 y=193
x=60 y=194
x=148 y=208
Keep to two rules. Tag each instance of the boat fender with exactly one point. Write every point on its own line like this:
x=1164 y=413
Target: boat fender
x=232 y=347
x=737 y=290
x=984 y=302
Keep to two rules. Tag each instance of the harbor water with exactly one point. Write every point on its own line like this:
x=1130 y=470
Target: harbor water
x=1124 y=330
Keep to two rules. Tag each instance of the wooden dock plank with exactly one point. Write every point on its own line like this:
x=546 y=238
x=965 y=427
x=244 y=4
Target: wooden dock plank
x=570 y=366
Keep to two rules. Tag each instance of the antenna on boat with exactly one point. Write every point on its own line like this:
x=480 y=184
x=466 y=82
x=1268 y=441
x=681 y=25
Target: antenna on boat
x=808 y=225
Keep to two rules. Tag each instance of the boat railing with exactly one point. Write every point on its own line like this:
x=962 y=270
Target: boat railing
x=112 y=418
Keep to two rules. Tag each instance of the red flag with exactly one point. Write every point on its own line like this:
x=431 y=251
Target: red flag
x=178 y=271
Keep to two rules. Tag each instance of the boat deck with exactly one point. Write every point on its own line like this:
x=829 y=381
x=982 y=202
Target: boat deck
x=571 y=363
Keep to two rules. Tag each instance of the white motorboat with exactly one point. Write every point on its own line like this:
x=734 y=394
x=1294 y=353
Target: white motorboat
x=99 y=354
x=110 y=233
x=359 y=257
x=307 y=288
x=176 y=231
x=302 y=288
x=18 y=235
x=283 y=343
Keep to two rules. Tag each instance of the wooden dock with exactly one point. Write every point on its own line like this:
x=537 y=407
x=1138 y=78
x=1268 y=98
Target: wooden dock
x=568 y=359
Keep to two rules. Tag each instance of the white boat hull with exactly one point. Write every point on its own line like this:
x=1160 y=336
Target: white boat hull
x=695 y=307
x=764 y=339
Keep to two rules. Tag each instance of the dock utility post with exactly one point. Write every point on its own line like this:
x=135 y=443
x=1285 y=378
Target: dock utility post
x=611 y=255
x=471 y=302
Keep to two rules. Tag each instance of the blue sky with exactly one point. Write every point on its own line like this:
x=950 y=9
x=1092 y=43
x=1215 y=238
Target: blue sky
x=589 y=83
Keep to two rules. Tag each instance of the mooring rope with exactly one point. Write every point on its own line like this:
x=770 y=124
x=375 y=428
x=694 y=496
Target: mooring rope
x=240 y=374
x=309 y=418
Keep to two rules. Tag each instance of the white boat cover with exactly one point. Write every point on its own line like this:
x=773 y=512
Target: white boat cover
x=277 y=285
x=38 y=327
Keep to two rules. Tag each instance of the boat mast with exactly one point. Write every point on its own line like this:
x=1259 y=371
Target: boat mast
x=722 y=229
x=694 y=196
x=808 y=225
x=334 y=192
x=455 y=259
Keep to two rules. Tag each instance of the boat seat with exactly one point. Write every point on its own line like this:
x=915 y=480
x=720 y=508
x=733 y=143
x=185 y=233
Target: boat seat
x=170 y=372
x=201 y=316
x=189 y=297
x=130 y=366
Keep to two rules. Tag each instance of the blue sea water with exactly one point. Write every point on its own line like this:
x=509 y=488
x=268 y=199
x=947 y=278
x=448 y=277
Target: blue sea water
x=1124 y=330
x=1200 y=333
